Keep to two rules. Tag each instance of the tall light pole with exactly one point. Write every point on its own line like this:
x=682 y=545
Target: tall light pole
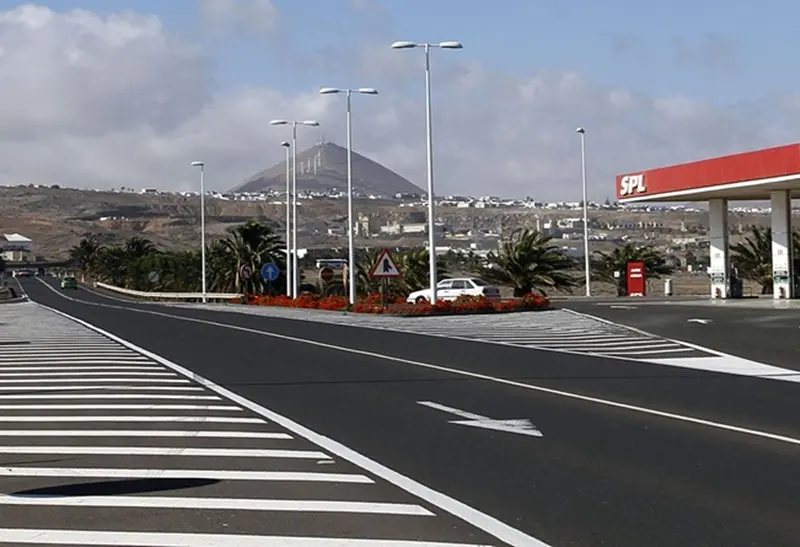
x=202 y=167
x=586 y=258
x=429 y=122
x=294 y=125
x=351 y=256
x=287 y=146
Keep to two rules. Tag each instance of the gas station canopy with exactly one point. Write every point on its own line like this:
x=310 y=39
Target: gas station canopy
x=748 y=176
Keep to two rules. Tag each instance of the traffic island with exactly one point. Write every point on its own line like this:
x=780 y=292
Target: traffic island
x=375 y=304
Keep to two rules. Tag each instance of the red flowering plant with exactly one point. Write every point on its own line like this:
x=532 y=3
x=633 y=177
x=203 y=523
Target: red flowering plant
x=374 y=303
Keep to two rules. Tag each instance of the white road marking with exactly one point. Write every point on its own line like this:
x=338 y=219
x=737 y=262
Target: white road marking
x=220 y=504
x=465 y=373
x=155 y=539
x=135 y=419
x=86 y=373
x=143 y=433
x=85 y=388
x=210 y=474
x=103 y=379
x=146 y=396
x=86 y=368
x=518 y=426
x=160 y=451
x=20 y=408
x=464 y=512
x=42 y=361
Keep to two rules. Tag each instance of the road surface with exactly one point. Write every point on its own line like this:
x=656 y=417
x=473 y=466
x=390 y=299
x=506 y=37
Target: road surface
x=626 y=453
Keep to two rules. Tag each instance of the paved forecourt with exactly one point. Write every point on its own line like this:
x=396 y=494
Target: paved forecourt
x=102 y=445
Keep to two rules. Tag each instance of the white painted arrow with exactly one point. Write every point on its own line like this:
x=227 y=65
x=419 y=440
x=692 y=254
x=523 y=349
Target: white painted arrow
x=701 y=321
x=519 y=426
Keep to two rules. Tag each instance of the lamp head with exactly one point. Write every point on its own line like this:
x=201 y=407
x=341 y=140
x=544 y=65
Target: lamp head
x=580 y=130
x=278 y=122
x=285 y=144
x=451 y=44
x=312 y=123
x=197 y=164
x=403 y=45
x=329 y=91
x=367 y=90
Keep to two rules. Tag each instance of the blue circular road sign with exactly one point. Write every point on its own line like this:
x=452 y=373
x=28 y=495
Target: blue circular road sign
x=270 y=272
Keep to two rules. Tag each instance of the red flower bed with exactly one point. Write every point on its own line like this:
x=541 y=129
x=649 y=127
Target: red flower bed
x=374 y=304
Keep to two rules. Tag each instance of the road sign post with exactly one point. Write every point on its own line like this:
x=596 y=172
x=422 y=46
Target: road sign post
x=269 y=273
x=245 y=273
x=385 y=268
x=326 y=274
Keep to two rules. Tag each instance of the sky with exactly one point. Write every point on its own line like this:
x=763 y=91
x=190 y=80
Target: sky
x=112 y=93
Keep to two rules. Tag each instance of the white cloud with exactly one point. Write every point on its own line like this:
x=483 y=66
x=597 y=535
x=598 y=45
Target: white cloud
x=106 y=101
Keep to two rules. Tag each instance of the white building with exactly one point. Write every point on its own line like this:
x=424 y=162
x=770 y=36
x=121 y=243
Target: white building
x=14 y=247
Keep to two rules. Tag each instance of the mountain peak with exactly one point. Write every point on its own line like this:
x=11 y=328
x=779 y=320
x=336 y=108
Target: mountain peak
x=323 y=167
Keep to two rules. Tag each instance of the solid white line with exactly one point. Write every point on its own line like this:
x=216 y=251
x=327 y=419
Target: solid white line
x=469 y=514
x=220 y=504
x=155 y=539
x=68 y=361
x=619 y=343
x=617 y=351
x=65 y=389
x=137 y=419
x=211 y=474
x=465 y=373
x=82 y=373
x=88 y=380
x=121 y=407
x=161 y=451
x=145 y=396
x=81 y=367
x=46 y=353
x=143 y=433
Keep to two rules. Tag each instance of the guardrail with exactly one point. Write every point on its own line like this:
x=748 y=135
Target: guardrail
x=183 y=296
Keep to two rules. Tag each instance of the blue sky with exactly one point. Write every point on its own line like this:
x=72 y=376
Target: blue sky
x=654 y=83
x=720 y=51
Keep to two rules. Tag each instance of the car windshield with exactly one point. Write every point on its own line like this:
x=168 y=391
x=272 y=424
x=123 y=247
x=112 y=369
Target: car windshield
x=479 y=282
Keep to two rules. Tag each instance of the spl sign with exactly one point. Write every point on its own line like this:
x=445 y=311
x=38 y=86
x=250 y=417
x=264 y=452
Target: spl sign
x=632 y=184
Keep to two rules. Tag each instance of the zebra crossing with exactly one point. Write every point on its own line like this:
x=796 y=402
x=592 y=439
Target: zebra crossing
x=100 y=445
x=553 y=329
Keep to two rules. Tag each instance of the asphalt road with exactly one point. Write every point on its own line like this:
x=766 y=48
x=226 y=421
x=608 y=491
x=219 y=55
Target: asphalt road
x=764 y=335
x=601 y=474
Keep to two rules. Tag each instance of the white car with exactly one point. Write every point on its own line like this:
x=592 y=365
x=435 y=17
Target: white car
x=450 y=289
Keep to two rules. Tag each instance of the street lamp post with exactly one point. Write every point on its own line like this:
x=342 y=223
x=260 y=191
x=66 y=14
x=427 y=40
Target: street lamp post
x=202 y=167
x=294 y=124
x=287 y=147
x=429 y=123
x=351 y=257
x=586 y=258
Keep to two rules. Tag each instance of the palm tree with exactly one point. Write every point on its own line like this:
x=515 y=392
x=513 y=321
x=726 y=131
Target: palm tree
x=528 y=262
x=253 y=244
x=606 y=263
x=752 y=256
x=86 y=255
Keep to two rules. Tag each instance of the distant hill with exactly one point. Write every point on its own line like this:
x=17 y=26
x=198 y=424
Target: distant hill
x=324 y=167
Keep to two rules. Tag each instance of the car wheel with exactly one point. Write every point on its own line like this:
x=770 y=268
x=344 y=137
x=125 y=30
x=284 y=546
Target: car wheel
x=420 y=300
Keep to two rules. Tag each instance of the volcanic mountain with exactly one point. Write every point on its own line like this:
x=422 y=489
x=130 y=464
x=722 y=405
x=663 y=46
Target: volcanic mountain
x=324 y=167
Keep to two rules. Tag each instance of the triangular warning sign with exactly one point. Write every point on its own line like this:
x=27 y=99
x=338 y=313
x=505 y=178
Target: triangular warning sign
x=385 y=266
